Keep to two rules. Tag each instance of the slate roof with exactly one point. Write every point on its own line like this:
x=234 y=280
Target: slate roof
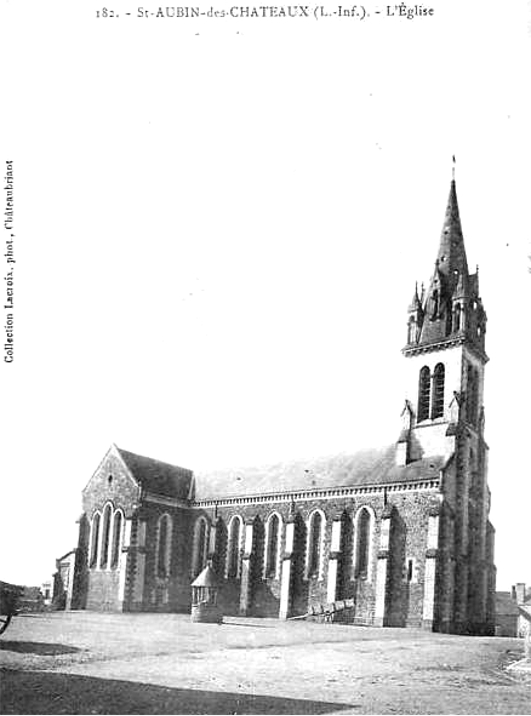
x=158 y=477
x=64 y=556
x=207 y=578
x=367 y=467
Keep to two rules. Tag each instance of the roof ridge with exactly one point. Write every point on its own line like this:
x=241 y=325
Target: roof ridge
x=365 y=468
x=158 y=477
x=295 y=461
x=152 y=459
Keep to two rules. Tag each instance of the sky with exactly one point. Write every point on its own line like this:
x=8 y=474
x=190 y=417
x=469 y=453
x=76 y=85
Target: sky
x=219 y=226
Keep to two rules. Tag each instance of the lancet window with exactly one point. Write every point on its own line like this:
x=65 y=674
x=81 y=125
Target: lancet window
x=363 y=543
x=315 y=542
x=272 y=546
x=104 y=556
x=437 y=410
x=163 y=552
x=200 y=546
x=234 y=548
x=116 y=538
x=94 y=539
x=423 y=412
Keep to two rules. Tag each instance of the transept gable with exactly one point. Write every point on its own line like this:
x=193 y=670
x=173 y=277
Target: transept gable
x=112 y=482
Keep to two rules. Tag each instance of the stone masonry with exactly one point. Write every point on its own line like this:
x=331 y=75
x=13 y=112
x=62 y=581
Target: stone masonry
x=397 y=536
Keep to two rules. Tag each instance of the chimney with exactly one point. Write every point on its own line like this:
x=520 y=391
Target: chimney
x=402 y=453
x=520 y=592
x=513 y=593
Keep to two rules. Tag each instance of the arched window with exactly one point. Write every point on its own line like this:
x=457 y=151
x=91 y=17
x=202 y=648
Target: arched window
x=234 y=548
x=412 y=330
x=437 y=410
x=94 y=538
x=469 y=392
x=272 y=546
x=423 y=412
x=104 y=558
x=163 y=554
x=457 y=317
x=448 y=320
x=472 y=395
x=476 y=396
x=346 y=560
x=434 y=304
x=116 y=539
x=363 y=543
x=200 y=547
x=314 y=544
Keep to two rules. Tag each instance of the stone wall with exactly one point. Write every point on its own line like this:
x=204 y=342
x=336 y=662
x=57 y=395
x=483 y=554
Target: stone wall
x=102 y=592
x=111 y=483
x=405 y=575
x=171 y=592
x=417 y=571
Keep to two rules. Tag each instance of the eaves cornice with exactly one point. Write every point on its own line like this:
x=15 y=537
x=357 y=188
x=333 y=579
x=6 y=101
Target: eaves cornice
x=323 y=494
x=445 y=344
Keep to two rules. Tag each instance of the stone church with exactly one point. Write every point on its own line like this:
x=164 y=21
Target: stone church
x=400 y=534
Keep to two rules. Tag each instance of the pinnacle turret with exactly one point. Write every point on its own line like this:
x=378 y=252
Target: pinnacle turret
x=415 y=301
x=451 y=306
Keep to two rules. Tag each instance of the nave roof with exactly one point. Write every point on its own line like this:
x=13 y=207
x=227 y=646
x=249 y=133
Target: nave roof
x=360 y=469
x=363 y=468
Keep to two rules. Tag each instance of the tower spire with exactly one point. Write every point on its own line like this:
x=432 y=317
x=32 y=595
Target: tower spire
x=451 y=307
x=452 y=255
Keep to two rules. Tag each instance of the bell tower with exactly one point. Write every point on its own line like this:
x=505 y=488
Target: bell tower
x=445 y=349
x=444 y=416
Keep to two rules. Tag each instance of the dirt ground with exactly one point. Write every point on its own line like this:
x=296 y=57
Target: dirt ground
x=84 y=662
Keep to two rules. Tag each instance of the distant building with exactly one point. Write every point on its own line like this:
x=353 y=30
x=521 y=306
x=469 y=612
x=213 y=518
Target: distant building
x=63 y=581
x=402 y=533
x=47 y=592
x=513 y=612
x=523 y=600
x=524 y=626
x=507 y=615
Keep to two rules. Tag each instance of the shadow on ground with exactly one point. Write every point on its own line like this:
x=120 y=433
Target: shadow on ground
x=27 y=692
x=37 y=647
